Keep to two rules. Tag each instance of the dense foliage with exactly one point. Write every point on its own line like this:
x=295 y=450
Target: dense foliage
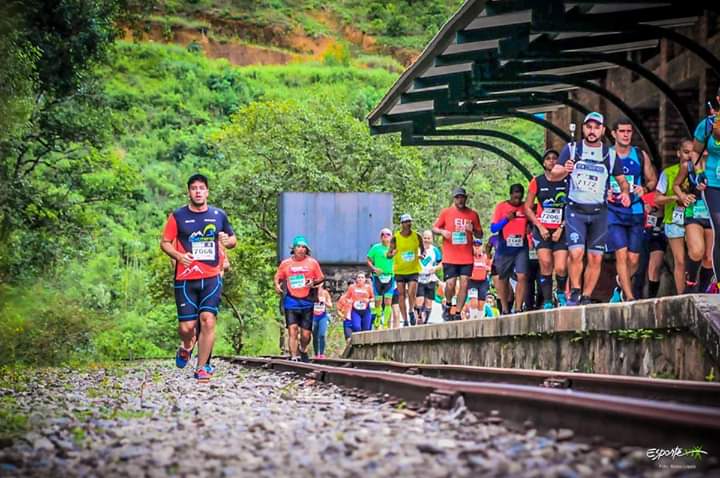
x=82 y=273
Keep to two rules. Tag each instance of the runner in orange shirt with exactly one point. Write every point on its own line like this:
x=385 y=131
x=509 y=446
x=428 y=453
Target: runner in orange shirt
x=360 y=296
x=301 y=275
x=458 y=225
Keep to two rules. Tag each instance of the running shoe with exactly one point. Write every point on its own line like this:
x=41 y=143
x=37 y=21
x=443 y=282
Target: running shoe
x=585 y=300
x=202 y=375
x=575 y=297
x=548 y=305
x=320 y=356
x=209 y=369
x=182 y=357
x=616 y=296
x=294 y=359
x=412 y=318
x=562 y=299
x=304 y=356
x=406 y=324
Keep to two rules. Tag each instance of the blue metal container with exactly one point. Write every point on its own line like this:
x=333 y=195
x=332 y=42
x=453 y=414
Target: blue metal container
x=340 y=227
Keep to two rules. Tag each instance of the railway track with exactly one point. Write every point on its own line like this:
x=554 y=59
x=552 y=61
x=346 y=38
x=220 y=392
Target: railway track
x=620 y=415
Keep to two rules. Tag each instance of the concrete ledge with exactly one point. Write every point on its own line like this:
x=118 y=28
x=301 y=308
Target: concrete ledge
x=689 y=325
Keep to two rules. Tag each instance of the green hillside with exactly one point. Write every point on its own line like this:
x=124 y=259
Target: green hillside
x=82 y=276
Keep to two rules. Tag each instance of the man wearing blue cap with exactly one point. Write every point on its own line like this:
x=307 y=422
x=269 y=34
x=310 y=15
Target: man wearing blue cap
x=297 y=279
x=589 y=165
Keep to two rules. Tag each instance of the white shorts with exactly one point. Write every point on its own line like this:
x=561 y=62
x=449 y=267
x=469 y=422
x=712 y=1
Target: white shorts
x=673 y=231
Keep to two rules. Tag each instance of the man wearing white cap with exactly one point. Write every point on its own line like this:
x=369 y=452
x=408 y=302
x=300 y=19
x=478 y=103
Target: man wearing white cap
x=404 y=248
x=589 y=165
x=458 y=225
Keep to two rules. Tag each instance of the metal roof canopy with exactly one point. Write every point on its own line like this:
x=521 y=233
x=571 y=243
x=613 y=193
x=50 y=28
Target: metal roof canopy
x=515 y=58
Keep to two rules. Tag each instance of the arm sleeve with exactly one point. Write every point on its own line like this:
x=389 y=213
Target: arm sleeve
x=662 y=184
x=498 y=221
x=170 y=231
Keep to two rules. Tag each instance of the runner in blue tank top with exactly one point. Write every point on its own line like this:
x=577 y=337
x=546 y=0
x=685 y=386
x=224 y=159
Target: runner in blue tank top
x=707 y=140
x=626 y=224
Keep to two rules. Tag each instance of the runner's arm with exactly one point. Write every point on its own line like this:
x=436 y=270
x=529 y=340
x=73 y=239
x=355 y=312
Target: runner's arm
x=372 y=267
x=559 y=172
x=477 y=227
x=682 y=175
x=663 y=190
x=393 y=248
x=529 y=203
x=649 y=172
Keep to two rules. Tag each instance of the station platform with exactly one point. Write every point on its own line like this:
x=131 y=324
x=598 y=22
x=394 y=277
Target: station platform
x=671 y=337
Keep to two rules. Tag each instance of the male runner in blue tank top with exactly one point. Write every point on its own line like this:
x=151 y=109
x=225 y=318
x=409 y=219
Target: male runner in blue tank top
x=192 y=237
x=589 y=164
x=626 y=224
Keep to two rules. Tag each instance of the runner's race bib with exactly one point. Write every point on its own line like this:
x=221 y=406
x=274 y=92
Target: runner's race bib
x=459 y=237
x=319 y=308
x=203 y=250
x=408 y=256
x=678 y=216
x=473 y=293
x=360 y=305
x=700 y=210
x=514 y=241
x=385 y=278
x=297 y=281
x=424 y=278
x=552 y=216
x=651 y=221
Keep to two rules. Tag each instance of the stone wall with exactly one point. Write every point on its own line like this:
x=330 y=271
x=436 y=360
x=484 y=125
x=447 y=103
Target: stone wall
x=677 y=337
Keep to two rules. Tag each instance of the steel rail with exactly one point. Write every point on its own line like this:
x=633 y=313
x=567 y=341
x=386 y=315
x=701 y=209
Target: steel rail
x=614 y=419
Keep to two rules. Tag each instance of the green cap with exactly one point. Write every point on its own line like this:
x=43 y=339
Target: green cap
x=300 y=241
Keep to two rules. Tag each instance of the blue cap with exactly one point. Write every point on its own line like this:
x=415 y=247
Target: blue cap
x=594 y=116
x=300 y=241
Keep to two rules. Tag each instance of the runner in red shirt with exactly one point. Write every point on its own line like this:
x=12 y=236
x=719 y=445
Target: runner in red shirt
x=360 y=296
x=512 y=252
x=193 y=237
x=458 y=225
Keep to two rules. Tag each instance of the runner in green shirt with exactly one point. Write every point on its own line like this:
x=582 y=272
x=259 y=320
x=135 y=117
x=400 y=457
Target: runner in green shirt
x=383 y=279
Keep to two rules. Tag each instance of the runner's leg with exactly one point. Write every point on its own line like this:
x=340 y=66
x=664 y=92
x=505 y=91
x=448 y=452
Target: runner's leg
x=677 y=247
x=207 y=337
x=712 y=198
x=462 y=291
x=655 y=263
x=402 y=296
x=293 y=338
x=412 y=301
x=695 y=239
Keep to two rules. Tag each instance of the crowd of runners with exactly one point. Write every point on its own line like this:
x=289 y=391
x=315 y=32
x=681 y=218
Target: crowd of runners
x=544 y=249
